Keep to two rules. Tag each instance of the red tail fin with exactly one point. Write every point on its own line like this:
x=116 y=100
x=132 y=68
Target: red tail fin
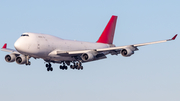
x=108 y=33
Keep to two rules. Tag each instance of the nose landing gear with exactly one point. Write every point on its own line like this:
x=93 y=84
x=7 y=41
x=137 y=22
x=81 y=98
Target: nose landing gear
x=27 y=60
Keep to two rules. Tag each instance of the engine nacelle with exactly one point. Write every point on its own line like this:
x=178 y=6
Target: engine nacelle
x=126 y=52
x=87 y=56
x=10 y=57
x=21 y=59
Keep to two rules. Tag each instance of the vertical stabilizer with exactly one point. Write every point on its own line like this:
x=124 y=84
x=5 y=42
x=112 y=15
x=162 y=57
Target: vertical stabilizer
x=107 y=35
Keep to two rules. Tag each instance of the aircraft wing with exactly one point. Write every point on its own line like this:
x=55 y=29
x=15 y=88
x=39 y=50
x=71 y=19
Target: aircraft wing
x=136 y=45
x=111 y=49
x=4 y=48
x=72 y=52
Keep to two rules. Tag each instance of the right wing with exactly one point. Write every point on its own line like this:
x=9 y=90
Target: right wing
x=108 y=50
x=135 y=45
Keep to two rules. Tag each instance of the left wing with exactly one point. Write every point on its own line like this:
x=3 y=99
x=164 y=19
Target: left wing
x=4 y=48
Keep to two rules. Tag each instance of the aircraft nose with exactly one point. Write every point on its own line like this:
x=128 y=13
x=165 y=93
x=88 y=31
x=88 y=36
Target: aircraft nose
x=18 y=46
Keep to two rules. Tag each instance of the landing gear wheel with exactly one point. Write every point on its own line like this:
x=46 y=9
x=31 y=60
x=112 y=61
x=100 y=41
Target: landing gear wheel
x=60 y=67
x=76 y=65
x=49 y=68
x=29 y=63
x=47 y=65
x=72 y=66
x=81 y=67
x=63 y=67
x=66 y=67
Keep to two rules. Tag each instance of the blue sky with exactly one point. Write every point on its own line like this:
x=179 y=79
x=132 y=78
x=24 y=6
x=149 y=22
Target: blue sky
x=152 y=73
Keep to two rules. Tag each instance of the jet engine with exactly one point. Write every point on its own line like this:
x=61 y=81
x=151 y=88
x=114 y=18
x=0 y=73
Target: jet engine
x=21 y=59
x=87 y=56
x=126 y=52
x=10 y=57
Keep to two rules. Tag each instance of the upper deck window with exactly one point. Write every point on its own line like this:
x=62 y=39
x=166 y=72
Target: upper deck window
x=24 y=35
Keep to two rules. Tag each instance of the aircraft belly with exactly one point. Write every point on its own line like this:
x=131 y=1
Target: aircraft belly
x=59 y=59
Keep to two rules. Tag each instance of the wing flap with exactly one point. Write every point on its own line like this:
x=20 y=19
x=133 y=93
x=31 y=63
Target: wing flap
x=72 y=52
x=67 y=53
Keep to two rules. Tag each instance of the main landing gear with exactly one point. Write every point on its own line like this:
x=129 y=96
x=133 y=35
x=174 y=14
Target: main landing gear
x=63 y=67
x=75 y=65
x=49 y=68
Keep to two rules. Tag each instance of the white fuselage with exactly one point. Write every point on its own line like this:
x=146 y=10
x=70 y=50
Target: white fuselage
x=41 y=45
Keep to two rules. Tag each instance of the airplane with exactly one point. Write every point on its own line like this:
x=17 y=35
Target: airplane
x=69 y=53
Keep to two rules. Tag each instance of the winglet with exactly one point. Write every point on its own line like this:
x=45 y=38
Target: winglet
x=174 y=37
x=5 y=45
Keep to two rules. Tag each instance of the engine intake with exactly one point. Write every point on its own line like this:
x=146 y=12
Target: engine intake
x=87 y=56
x=10 y=58
x=21 y=60
x=126 y=52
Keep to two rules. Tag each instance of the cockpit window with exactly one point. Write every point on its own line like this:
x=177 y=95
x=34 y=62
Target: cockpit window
x=24 y=35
